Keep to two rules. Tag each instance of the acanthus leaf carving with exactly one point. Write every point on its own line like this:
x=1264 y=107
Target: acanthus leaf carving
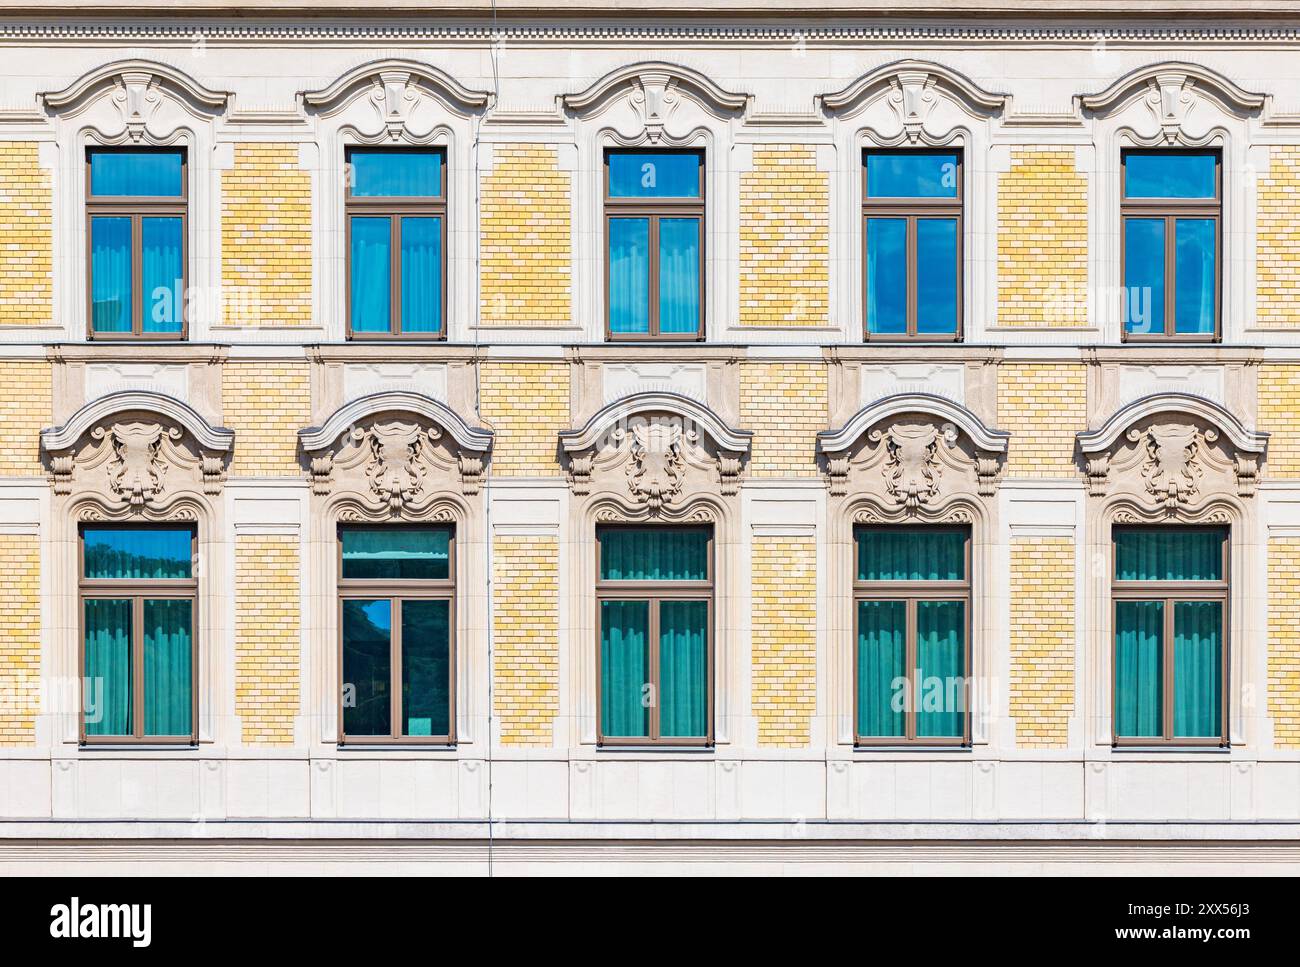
x=136 y=471
x=1172 y=469
x=657 y=468
x=395 y=467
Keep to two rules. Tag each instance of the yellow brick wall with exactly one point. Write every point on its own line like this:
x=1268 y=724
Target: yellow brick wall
x=1284 y=640
x=526 y=237
x=784 y=636
x=266 y=403
x=1042 y=640
x=1043 y=405
x=1277 y=240
x=526 y=404
x=267 y=609
x=25 y=409
x=1042 y=240
x=526 y=635
x=20 y=638
x=784 y=238
x=785 y=404
x=1279 y=414
x=266 y=238
x=26 y=239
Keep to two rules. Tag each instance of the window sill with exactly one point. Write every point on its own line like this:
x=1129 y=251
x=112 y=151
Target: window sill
x=1172 y=749
x=657 y=749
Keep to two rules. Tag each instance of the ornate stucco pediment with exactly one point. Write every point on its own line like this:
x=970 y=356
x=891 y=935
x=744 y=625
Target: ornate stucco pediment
x=655 y=450
x=137 y=451
x=653 y=93
x=1172 y=454
x=913 y=454
x=395 y=453
x=147 y=97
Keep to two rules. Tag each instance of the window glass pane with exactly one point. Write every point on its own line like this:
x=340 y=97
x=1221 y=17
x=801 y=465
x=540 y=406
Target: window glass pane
x=941 y=668
x=911 y=174
x=1198 y=668
x=167 y=673
x=110 y=274
x=887 y=275
x=148 y=174
x=1169 y=553
x=396 y=174
x=367 y=667
x=108 y=699
x=1194 y=275
x=653 y=554
x=936 y=275
x=683 y=668
x=149 y=553
x=1169 y=175
x=882 y=668
x=163 y=273
x=911 y=553
x=1139 y=630
x=371 y=274
x=679 y=275
x=636 y=174
x=421 y=274
x=625 y=668
x=426 y=675
x=405 y=553
x=629 y=274
x=1144 y=275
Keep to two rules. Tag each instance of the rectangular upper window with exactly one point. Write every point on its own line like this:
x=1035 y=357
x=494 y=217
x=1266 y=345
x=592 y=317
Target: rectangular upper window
x=912 y=651
x=138 y=599
x=654 y=230
x=396 y=212
x=655 y=639
x=137 y=221
x=912 y=237
x=1170 y=593
x=1171 y=212
x=397 y=596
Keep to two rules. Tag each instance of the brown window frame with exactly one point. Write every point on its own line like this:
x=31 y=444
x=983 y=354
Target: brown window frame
x=137 y=590
x=394 y=208
x=1168 y=593
x=655 y=209
x=396 y=591
x=1171 y=209
x=911 y=592
x=913 y=210
x=137 y=208
x=656 y=592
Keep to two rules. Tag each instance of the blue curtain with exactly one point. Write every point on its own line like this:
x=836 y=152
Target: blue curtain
x=1139 y=629
x=426 y=658
x=421 y=274
x=1165 y=174
x=911 y=174
x=402 y=553
x=679 y=275
x=1195 y=274
x=941 y=668
x=367 y=667
x=882 y=668
x=936 y=275
x=168 y=677
x=396 y=174
x=147 y=553
x=653 y=553
x=110 y=274
x=1144 y=275
x=371 y=277
x=108 y=676
x=163 y=273
x=911 y=553
x=1169 y=553
x=654 y=174
x=629 y=275
x=887 y=275
x=148 y=174
x=624 y=668
x=683 y=668
x=1198 y=668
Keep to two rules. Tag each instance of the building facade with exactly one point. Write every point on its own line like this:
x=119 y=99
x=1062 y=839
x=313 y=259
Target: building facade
x=806 y=438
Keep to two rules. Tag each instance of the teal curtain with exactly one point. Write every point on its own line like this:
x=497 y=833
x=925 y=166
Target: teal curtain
x=941 y=668
x=111 y=293
x=1169 y=553
x=1139 y=655
x=882 y=668
x=108 y=695
x=367 y=667
x=629 y=275
x=653 y=553
x=426 y=672
x=1198 y=668
x=145 y=553
x=624 y=668
x=886 y=275
x=683 y=668
x=163 y=273
x=396 y=553
x=143 y=174
x=421 y=274
x=371 y=274
x=168 y=677
x=679 y=275
x=911 y=553
x=396 y=174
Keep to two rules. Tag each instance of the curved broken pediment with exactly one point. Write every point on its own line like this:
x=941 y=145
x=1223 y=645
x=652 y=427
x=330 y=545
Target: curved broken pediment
x=653 y=91
x=139 y=90
x=1173 y=93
